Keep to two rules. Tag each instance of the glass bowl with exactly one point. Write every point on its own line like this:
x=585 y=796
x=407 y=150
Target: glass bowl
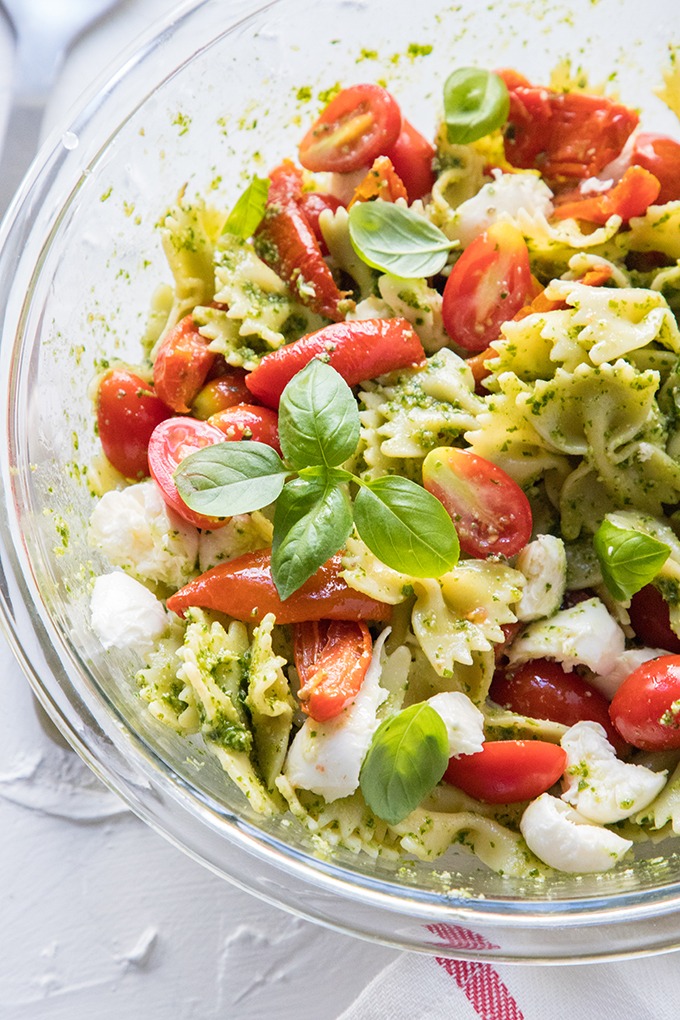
x=199 y=106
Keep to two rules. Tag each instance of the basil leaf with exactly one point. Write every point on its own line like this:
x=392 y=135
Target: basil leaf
x=248 y=213
x=230 y=478
x=476 y=102
x=407 y=758
x=312 y=520
x=406 y=527
x=396 y=240
x=318 y=418
x=628 y=559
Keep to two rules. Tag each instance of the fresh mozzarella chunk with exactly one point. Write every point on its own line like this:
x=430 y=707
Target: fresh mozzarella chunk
x=463 y=720
x=136 y=531
x=326 y=758
x=584 y=634
x=623 y=667
x=243 y=533
x=502 y=199
x=371 y=308
x=125 y=614
x=601 y=787
x=544 y=564
x=565 y=840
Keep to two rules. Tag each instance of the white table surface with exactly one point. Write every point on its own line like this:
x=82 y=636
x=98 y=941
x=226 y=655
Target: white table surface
x=100 y=917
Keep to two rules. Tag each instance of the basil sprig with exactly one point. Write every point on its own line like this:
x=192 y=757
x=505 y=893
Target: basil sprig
x=476 y=102
x=407 y=758
x=628 y=559
x=400 y=522
x=247 y=214
x=396 y=240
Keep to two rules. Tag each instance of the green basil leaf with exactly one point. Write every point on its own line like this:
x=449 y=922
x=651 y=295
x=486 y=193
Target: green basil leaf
x=312 y=520
x=406 y=527
x=396 y=240
x=248 y=213
x=407 y=758
x=476 y=102
x=628 y=559
x=230 y=478
x=318 y=418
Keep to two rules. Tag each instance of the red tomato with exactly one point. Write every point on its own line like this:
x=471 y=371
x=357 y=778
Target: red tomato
x=127 y=413
x=357 y=350
x=331 y=657
x=244 y=589
x=564 y=134
x=286 y=241
x=543 y=690
x=646 y=707
x=412 y=157
x=507 y=771
x=360 y=123
x=223 y=391
x=313 y=203
x=636 y=190
x=489 y=283
x=650 y=619
x=170 y=443
x=182 y=364
x=382 y=181
x=661 y=156
x=491 y=513
x=246 y=421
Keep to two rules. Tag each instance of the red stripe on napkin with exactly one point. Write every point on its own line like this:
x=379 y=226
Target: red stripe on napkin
x=482 y=985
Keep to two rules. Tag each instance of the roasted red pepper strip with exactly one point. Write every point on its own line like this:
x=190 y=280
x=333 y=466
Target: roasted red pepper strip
x=331 y=657
x=286 y=241
x=382 y=181
x=636 y=190
x=358 y=350
x=182 y=365
x=244 y=590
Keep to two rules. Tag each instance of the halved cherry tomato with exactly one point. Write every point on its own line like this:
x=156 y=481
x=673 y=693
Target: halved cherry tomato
x=127 y=413
x=182 y=364
x=661 y=156
x=565 y=135
x=541 y=689
x=246 y=421
x=313 y=203
x=244 y=589
x=286 y=241
x=362 y=349
x=360 y=123
x=223 y=391
x=636 y=190
x=170 y=443
x=646 y=707
x=508 y=771
x=382 y=181
x=650 y=619
x=489 y=283
x=412 y=157
x=491 y=512
x=331 y=657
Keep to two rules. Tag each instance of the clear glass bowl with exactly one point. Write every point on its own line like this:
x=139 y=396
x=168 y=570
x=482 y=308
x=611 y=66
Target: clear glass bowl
x=200 y=105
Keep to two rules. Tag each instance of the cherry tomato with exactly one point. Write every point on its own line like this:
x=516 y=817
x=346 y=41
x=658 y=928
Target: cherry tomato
x=170 y=443
x=382 y=181
x=127 y=413
x=286 y=241
x=412 y=157
x=313 y=203
x=661 y=156
x=650 y=619
x=224 y=391
x=182 y=364
x=246 y=421
x=636 y=190
x=646 y=707
x=489 y=283
x=564 y=134
x=331 y=657
x=360 y=123
x=244 y=589
x=491 y=513
x=358 y=350
x=541 y=689
x=507 y=771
